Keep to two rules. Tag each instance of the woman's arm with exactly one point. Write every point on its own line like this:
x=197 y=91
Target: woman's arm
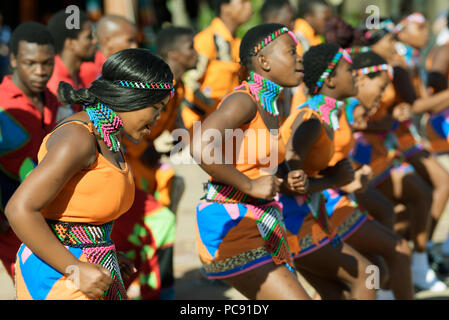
x=70 y=149
x=305 y=134
x=403 y=84
x=236 y=110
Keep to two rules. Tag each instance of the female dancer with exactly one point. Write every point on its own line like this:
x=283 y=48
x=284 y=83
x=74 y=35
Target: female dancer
x=399 y=96
x=347 y=219
x=240 y=231
x=64 y=210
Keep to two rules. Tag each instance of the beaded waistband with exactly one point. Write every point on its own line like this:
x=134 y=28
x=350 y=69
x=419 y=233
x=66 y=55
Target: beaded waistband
x=82 y=235
x=222 y=193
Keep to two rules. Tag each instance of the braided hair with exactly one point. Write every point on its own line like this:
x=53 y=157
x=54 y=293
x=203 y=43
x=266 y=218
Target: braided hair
x=138 y=66
x=316 y=60
x=369 y=36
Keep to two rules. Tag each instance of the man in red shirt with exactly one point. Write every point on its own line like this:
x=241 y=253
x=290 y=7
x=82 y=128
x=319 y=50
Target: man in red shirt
x=27 y=113
x=114 y=33
x=73 y=47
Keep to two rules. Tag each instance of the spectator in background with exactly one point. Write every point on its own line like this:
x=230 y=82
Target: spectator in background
x=150 y=223
x=309 y=27
x=73 y=47
x=27 y=113
x=114 y=33
x=278 y=11
x=216 y=72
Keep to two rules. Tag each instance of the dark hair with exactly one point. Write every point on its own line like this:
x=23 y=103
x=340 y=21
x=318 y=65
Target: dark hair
x=138 y=65
x=271 y=7
x=368 y=59
x=340 y=32
x=167 y=39
x=32 y=32
x=316 y=60
x=252 y=38
x=368 y=37
x=59 y=30
x=217 y=6
x=308 y=6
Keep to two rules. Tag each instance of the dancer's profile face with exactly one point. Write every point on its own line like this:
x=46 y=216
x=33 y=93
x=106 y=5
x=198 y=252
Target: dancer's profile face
x=370 y=90
x=415 y=34
x=385 y=47
x=344 y=79
x=281 y=62
x=137 y=123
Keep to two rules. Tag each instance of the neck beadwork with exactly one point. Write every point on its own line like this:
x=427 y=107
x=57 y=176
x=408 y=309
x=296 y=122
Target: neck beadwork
x=327 y=108
x=265 y=91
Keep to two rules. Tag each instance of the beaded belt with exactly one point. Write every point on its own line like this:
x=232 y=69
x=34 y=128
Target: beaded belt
x=268 y=216
x=82 y=235
x=222 y=193
x=98 y=248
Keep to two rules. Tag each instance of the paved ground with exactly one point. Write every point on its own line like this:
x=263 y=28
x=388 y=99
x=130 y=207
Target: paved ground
x=190 y=284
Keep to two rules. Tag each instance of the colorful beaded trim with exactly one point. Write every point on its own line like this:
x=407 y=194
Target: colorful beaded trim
x=265 y=91
x=107 y=123
x=414 y=17
x=356 y=50
x=82 y=235
x=378 y=68
x=326 y=107
x=340 y=54
x=273 y=36
x=98 y=248
x=147 y=85
x=386 y=25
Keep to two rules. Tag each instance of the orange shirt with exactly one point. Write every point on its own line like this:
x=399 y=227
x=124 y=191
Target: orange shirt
x=259 y=149
x=96 y=195
x=216 y=73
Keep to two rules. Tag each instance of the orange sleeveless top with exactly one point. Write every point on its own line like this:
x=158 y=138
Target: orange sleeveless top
x=343 y=140
x=95 y=195
x=320 y=153
x=259 y=151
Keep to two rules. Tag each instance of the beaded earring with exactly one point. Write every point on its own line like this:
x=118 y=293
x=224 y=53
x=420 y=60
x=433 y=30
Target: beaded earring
x=107 y=124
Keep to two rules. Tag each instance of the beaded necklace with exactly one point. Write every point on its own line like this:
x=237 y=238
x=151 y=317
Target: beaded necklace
x=107 y=124
x=326 y=107
x=265 y=91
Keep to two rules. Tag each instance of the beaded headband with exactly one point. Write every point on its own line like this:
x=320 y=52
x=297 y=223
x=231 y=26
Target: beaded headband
x=273 y=36
x=147 y=85
x=386 y=25
x=356 y=50
x=377 y=68
x=414 y=17
x=340 y=54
